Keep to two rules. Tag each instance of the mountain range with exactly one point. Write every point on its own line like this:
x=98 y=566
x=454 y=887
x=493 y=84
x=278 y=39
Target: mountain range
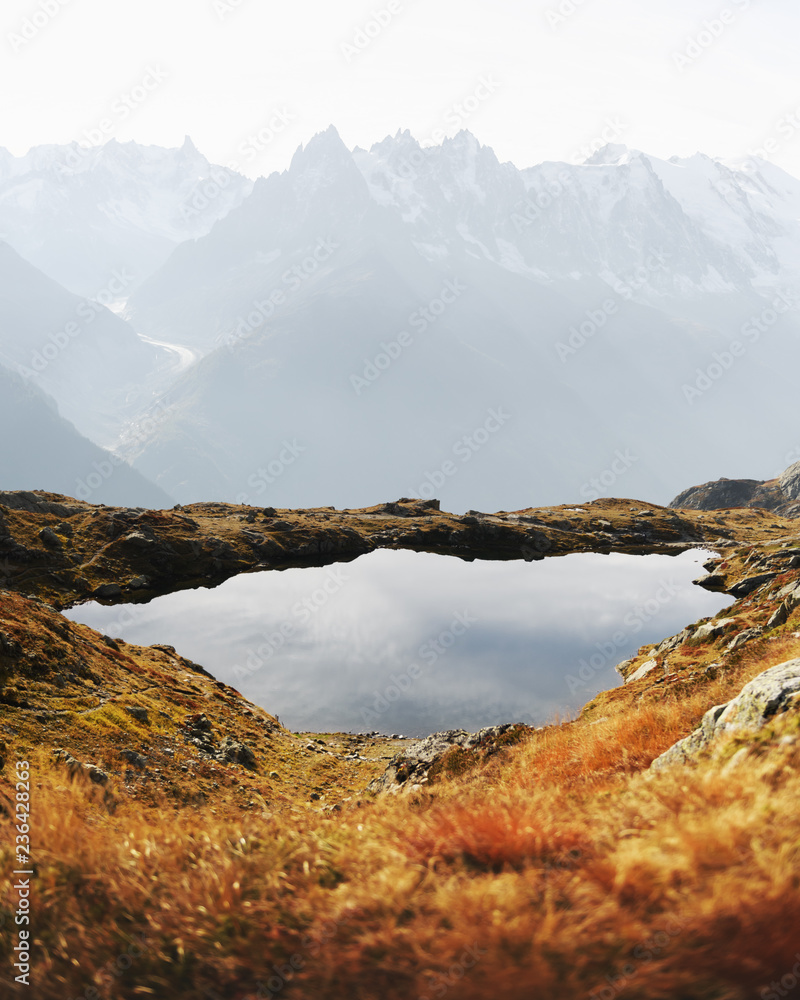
x=412 y=320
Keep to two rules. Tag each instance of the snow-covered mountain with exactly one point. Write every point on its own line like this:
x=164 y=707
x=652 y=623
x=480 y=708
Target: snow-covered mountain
x=428 y=321
x=80 y=213
x=718 y=228
x=41 y=450
x=364 y=313
x=657 y=231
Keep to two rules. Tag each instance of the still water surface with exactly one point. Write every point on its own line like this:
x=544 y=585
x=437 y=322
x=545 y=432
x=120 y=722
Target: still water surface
x=408 y=642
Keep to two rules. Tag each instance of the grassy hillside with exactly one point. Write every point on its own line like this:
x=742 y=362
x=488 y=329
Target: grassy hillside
x=186 y=845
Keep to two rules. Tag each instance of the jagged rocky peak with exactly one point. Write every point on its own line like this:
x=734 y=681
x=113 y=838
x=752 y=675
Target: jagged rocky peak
x=324 y=166
x=323 y=149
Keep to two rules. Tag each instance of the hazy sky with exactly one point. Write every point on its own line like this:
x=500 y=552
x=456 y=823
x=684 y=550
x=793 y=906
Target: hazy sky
x=533 y=80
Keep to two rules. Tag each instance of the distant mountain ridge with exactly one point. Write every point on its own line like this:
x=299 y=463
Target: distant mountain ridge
x=79 y=212
x=579 y=282
x=650 y=229
x=39 y=447
x=74 y=349
x=623 y=306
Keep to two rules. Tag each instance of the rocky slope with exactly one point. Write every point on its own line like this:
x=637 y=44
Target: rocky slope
x=771 y=694
x=75 y=349
x=66 y=551
x=61 y=551
x=781 y=495
x=188 y=844
x=46 y=448
x=148 y=722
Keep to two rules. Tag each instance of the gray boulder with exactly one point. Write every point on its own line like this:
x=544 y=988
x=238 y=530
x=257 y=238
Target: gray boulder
x=791 y=599
x=741 y=638
x=713 y=629
x=642 y=671
x=50 y=538
x=767 y=695
x=138 y=713
x=745 y=587
x=92 y=771
x=233 y=752
x=408 y=771
x=134 y=758
x=790 y=481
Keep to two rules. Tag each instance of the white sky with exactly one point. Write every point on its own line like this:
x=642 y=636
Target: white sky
x=231 y=69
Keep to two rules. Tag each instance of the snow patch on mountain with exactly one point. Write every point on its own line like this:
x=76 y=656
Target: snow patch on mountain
x=80 y=212
x=724 y=227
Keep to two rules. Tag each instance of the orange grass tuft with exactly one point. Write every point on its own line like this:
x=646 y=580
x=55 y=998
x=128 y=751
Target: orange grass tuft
x=515 y=882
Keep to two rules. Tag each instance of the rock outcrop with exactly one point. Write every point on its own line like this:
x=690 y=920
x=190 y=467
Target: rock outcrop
x=781 y=495
x=92 y=771
x=66 y=551
x=767 y=695
x=416 y=765
x=790 y=481
x=146 y=722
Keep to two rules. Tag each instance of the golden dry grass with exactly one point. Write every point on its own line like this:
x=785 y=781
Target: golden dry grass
x=559 y=868
x=561 y=871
